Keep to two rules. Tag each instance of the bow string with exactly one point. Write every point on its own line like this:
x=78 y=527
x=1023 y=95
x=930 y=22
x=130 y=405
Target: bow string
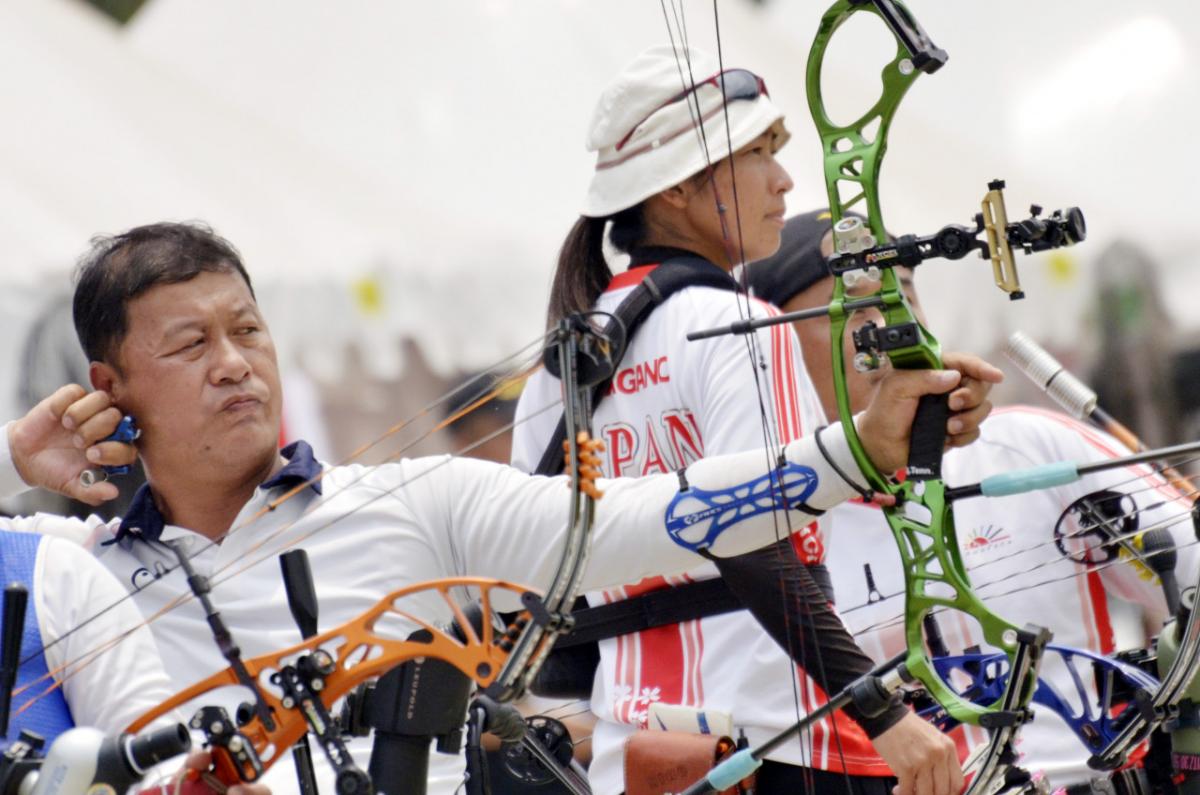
x=774 y=435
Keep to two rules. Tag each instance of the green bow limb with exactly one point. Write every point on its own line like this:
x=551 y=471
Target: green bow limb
x=921 y=520
x=852 y=152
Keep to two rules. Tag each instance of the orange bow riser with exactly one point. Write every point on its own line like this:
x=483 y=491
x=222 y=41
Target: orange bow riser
x=350 y=655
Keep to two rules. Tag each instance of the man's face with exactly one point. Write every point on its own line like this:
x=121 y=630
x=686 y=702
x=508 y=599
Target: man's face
x=815 y=343
x=198 y=371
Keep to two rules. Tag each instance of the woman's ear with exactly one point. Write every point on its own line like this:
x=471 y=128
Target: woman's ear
x=678 y=196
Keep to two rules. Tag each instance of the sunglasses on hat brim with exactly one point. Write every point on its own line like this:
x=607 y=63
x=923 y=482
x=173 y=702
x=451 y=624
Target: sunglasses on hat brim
x=734 y=84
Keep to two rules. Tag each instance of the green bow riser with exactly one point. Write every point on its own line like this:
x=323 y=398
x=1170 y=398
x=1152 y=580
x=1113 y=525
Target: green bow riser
x=922 y=521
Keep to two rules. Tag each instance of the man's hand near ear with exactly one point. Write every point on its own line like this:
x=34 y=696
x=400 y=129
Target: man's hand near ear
x=62 y=436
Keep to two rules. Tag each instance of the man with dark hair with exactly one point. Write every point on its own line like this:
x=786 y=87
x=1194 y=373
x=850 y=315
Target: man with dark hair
x=124 y=266
x=177 y=340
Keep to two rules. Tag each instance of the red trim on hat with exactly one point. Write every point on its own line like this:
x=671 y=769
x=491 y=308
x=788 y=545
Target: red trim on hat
x=629 y=278
x=649 y=146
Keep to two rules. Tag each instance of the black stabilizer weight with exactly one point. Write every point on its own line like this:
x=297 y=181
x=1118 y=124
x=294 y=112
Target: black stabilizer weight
x=352 y=781
x=148 y=749
x=16 y=599
x=301 y=593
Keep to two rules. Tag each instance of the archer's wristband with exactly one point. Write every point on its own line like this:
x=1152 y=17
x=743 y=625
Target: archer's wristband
x=846 y=464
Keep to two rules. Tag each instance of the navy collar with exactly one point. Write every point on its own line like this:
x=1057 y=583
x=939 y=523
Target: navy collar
x=144 y=521
x=301 y=467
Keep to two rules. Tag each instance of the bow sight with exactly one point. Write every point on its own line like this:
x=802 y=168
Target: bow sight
x=857 y=252
x=857 y=256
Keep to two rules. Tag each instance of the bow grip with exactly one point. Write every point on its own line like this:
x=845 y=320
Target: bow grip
x=928 y=438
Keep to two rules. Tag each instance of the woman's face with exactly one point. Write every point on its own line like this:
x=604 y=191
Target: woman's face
x=752 y=227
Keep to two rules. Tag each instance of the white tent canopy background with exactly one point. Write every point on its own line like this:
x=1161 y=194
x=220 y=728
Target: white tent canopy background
x=408 y=169
x=482 y=107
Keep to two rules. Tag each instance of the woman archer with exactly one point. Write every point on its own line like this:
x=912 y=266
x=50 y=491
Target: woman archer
x=667 y=194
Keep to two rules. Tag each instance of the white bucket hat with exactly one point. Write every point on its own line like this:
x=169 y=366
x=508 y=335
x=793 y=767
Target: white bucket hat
x=644 y=133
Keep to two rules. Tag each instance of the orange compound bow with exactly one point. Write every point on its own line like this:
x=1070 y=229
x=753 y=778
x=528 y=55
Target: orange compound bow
x=330 y=665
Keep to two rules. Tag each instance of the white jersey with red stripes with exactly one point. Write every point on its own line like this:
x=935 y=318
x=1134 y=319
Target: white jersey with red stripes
x=672 y=402
x=1009 y=548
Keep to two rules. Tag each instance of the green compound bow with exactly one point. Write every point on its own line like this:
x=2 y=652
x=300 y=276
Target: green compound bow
x=920 y=516
x=927 y=544
x=916 y=507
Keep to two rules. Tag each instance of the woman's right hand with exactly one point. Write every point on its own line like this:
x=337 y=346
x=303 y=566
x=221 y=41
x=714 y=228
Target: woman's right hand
x=62 y=436
x=886 y=426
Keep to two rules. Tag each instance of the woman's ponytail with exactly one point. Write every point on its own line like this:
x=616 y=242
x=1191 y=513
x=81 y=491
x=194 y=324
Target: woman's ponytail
x=582 y=272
